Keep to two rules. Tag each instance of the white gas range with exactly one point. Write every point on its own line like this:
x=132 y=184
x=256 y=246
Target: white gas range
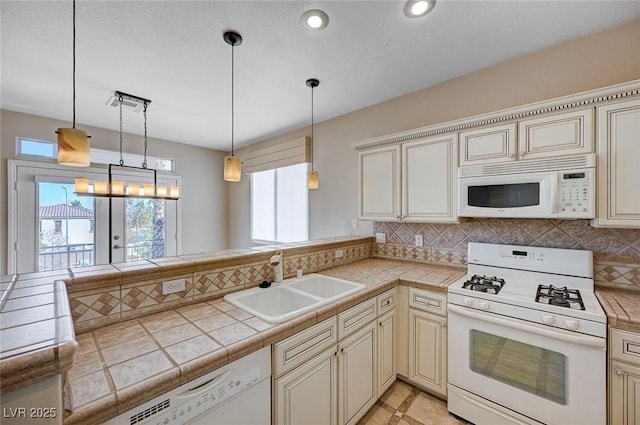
x=527 y=338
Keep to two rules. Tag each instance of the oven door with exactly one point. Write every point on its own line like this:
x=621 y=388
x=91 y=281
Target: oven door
x=530 y=195
x=548 y=374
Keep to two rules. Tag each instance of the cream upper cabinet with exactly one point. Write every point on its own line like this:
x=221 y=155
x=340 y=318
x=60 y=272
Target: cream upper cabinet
x=618 y=150
x=624 y=377
x=569 y=133
x=380 y=183
x=429 y=179
x=415 y=181
x=488 y=145
x=552 y=135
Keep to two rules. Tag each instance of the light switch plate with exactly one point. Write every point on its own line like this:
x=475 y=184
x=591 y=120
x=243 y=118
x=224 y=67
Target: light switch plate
x=419 y=241
x=354 y=223
x=381 y=237
x=339 y=253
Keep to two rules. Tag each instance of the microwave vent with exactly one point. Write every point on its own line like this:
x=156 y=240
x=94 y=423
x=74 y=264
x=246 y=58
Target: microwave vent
x=529 y=166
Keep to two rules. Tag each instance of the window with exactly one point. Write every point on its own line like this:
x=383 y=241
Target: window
x=279 y=204
x=58 y=226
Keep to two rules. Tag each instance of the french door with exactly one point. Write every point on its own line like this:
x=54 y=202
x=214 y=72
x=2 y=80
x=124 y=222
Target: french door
x=51 y=228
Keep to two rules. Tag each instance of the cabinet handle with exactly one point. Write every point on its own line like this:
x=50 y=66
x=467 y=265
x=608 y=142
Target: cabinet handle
x=397 y=216
x=523 y=153
x=442 y=324
x=619 y=371
x=511 y=155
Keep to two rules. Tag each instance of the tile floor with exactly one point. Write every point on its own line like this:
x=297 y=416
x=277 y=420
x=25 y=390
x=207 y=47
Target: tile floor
x=403 y=404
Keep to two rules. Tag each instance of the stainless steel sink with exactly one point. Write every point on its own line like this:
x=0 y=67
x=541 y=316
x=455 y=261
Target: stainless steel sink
x=292 y=297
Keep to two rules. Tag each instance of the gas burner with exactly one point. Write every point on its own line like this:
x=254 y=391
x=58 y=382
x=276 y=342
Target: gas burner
x=490 y=285
x=562 y=297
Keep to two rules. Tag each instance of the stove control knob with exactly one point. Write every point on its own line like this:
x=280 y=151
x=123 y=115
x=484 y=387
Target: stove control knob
x=548 y=319
x=571 y=324
x=483 y=305
x=467 y=301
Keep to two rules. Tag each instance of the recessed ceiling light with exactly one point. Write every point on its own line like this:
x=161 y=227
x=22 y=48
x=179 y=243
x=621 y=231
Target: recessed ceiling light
x=418 y=8
x=314 y=20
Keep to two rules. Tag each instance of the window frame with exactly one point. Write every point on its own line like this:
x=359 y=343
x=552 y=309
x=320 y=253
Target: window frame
x=255 y=241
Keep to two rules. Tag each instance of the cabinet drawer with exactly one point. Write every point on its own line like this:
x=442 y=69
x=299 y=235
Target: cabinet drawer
x=356 y=317
x=428 y=301
x=624 y=346
x=386 y=301
x=302 y=346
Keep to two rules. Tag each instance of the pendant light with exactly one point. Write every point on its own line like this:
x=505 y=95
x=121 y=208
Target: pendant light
x=232 y=164
x=73 y=144
x=312 y=175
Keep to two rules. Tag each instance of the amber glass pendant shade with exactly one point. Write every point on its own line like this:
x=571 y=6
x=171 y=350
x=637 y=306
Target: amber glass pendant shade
x=73 y=148
x=232 y=168
x=313 y=179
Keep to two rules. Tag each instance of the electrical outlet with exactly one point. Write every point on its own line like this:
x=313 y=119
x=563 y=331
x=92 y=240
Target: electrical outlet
x=381 y=237
x=354 y=223
x=419 y=241
x=172 y=286
x=339 y=253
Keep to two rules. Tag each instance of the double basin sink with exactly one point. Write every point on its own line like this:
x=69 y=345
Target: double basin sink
x=293 y=297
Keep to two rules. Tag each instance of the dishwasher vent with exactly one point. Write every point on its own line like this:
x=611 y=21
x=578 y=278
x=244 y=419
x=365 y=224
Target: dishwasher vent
x=147 y=413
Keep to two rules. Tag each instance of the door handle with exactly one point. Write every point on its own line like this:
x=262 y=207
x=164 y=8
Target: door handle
x=117 y=247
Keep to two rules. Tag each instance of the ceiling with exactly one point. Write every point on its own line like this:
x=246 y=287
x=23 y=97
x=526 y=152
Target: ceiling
x=172 y=53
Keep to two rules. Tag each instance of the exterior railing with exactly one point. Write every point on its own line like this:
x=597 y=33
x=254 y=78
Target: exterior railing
x=64 y=256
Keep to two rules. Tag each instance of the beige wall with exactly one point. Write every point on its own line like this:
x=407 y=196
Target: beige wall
x=204 y=210
x=591 y=62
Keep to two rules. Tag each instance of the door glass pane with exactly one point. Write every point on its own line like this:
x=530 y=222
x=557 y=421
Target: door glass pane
x=144 y=229
x=66 y=222
x=533 y=369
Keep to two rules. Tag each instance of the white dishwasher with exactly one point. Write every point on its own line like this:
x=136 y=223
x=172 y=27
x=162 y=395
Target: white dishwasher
x=236 y=394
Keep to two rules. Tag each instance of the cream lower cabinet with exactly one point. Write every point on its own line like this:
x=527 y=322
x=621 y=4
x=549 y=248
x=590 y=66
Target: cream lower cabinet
x=308 y=395
x=624 y=378
x=387 y=340
x=327 y=374
x=357 y=383
x=428 y=341
x=414 y=181
x=618 y=156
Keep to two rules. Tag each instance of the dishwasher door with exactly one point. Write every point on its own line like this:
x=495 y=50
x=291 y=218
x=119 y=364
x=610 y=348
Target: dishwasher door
x=251 y=408
x=238 y=393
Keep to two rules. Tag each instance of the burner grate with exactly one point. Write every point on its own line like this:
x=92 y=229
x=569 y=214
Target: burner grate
x=490 y=285
x=559 y=296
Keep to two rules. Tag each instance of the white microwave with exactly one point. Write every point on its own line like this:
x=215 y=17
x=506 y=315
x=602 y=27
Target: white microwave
x=551 y=188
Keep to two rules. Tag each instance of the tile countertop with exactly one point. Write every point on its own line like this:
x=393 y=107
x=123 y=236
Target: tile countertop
x=622 y=308
x=121 y=366
x=38 y=340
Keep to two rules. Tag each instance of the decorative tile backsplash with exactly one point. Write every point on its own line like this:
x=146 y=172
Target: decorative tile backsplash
x=616 y=251
x=138 y=291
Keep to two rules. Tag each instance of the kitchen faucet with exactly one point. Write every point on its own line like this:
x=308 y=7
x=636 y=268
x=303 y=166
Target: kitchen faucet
x=276 y=263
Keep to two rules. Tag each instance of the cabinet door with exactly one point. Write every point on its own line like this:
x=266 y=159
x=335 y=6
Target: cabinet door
x=618 y=170
x=357 y=383
x=624 y=394
x=556 y=135
x=429 y=179
x=488 y=145
x=308 y=394
x=387 y=352
x=380 y=183
x=427 y=351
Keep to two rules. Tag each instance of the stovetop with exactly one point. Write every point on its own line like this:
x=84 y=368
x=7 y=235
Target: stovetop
x=511 y=276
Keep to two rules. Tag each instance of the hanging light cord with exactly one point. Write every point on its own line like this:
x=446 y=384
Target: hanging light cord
x=312 y=139
x=74 y=63
x=121 y=157
x=146 y=139
x=232 y=96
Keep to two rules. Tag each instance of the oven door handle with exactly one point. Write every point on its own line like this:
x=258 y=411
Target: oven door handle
x=586 y=340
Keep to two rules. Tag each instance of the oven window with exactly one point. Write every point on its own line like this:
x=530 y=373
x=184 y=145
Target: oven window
x=504 y=195
x=533 y=369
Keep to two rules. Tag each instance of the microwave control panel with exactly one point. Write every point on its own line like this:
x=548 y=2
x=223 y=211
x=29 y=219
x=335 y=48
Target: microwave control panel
x=576 y=194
